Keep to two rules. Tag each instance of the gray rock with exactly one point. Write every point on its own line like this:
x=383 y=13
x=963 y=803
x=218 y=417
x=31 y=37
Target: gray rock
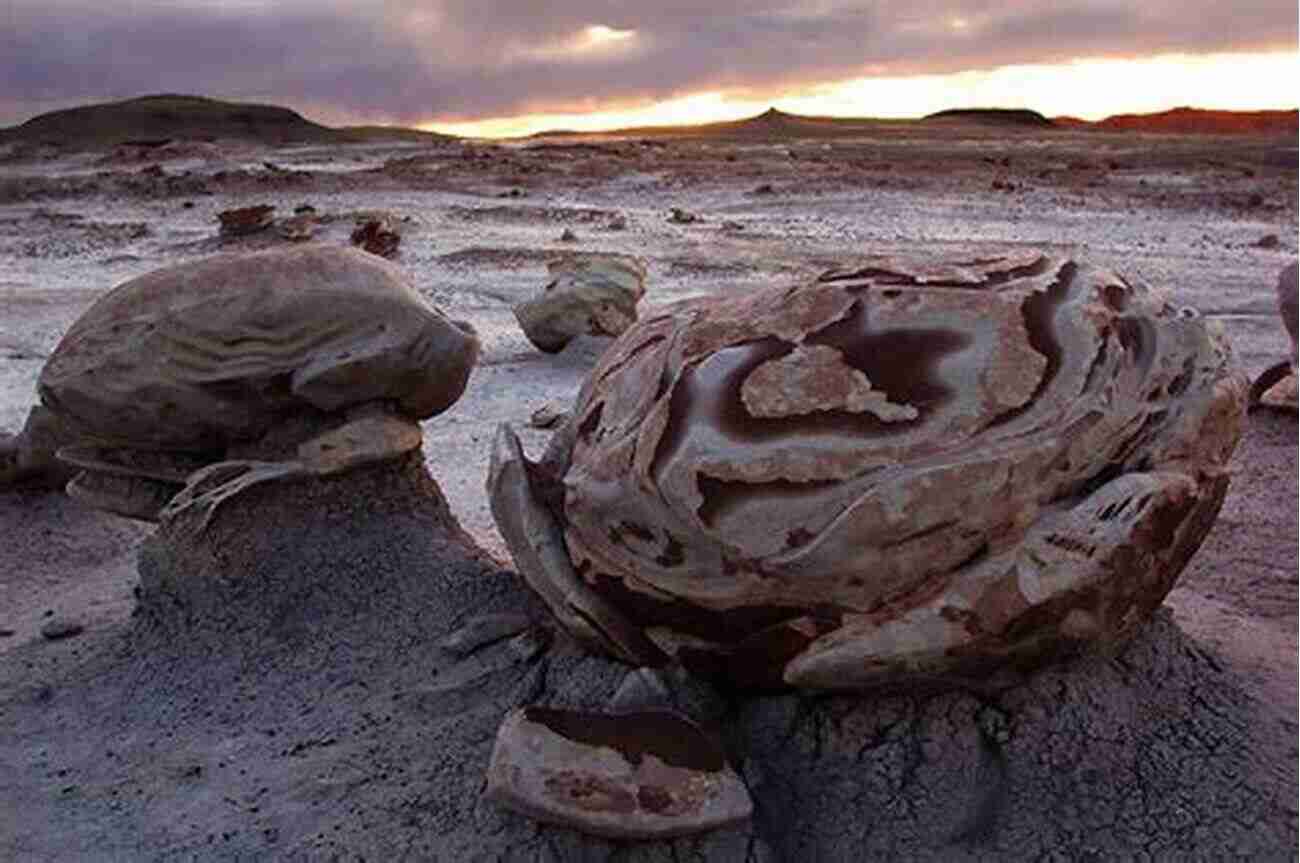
x=60 y=628
x=232 y=356
x=588 y=294
x=1276 y=385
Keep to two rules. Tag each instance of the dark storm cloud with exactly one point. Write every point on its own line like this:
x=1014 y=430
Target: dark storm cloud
x=406 y=61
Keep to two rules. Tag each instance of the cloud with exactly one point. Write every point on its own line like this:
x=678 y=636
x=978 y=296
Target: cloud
x=407 y=61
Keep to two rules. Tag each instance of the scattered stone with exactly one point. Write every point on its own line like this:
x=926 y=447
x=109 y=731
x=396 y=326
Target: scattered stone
x=749 y=488
x=567 y=236
x=304 y=210
x=547 y=416
x=617 y=223
x=636 y=775
x=589 y=293
x=131 y=380
x=1268 y=241
x=764 y=189
x=6 y=632
x=61 y=627
x=378 y=237
x=679 y=216
x=297 y=229
x=246 y=220
x=733 y=227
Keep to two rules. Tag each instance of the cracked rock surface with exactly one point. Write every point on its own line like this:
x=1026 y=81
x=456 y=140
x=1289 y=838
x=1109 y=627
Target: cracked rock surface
x=907 y=468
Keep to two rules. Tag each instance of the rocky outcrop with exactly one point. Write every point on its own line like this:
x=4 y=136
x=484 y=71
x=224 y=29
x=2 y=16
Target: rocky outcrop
x=905 y=470
x=588 y=294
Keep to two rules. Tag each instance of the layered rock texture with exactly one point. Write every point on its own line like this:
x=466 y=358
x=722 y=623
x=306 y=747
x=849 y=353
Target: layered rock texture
x=588 y=294
x=936 y=469
x=240 y=368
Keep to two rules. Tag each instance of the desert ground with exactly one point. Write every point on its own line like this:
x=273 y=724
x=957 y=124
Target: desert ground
x=85 y=775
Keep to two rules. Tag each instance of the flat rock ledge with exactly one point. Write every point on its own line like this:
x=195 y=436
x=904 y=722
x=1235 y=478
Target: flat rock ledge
x=293 y=688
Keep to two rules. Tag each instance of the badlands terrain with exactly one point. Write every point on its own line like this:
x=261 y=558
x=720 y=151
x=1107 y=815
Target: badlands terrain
x=95 y=764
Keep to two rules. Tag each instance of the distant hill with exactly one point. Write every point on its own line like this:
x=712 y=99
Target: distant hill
x=1195 y=121
x=771 y=124
x=168 y=116
x=777 y=125
x=992 y=116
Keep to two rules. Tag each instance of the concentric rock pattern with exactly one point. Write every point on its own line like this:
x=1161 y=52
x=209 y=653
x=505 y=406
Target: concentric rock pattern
x=905 y=468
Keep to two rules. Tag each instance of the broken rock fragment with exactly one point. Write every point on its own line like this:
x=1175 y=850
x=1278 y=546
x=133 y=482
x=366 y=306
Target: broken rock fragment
x=588 y=294
x=649 y=774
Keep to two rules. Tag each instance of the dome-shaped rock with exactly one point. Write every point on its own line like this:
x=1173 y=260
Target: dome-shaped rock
x=906 y=468
x=172 y=370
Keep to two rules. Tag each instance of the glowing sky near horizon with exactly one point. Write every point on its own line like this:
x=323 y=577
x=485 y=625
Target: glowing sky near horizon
x=500 y=67
x=1086 y=88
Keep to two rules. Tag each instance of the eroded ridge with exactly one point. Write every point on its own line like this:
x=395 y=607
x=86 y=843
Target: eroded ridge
x=904 y=467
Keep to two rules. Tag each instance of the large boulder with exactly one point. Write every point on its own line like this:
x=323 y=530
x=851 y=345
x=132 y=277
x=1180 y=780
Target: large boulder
x=905 y=469
x=252 y=357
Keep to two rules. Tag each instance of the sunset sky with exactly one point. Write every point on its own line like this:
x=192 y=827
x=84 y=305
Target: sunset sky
x=504 y=68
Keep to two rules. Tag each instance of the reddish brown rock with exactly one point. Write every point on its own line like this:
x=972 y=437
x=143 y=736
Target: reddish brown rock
x=246 y=220
x=636 y=775
x=378 y=237
x=933 y=468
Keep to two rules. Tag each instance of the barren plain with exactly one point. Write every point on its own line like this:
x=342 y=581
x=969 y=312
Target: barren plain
x=1212 y=220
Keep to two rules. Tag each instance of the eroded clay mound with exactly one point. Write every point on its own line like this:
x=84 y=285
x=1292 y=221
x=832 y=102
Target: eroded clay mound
x=203 y=353
x=898 y=469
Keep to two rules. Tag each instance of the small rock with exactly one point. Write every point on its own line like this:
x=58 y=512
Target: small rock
x=764 y=189
x=1268 y=241
x=6 y=632
x=547 y=416
x=733 y=227
x=647 y=774
x=246 y=220
x=568 y=236
x=378 y=237
x=61 y=627
x=593 y=294
x=618 y=223
x=303 y=210
x=682 y=217
x=297 y=228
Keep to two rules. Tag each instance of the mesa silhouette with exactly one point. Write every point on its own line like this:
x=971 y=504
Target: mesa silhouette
x=157 y=119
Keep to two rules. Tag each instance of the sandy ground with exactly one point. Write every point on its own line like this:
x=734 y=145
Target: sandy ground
x=1193 y=215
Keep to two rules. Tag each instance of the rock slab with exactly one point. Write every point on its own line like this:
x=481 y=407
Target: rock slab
x=636 y=775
